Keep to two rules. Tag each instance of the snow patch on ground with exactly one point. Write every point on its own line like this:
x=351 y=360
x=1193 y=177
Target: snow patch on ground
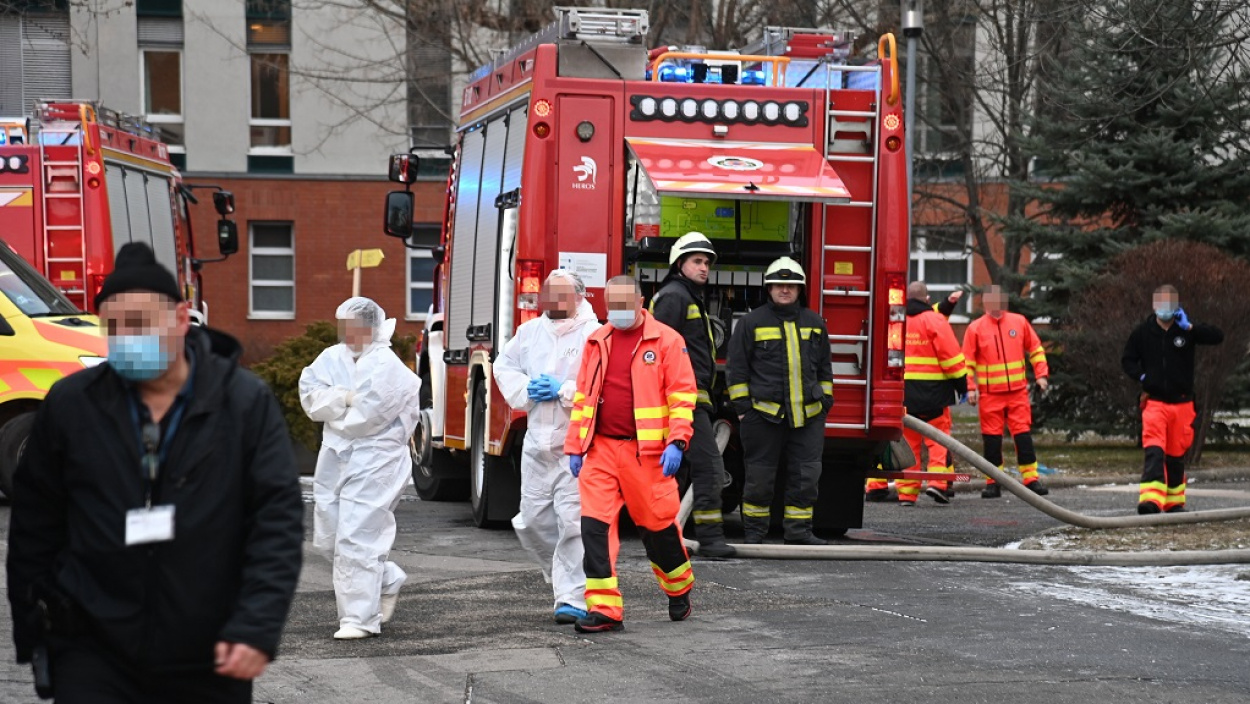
x=1209 y=596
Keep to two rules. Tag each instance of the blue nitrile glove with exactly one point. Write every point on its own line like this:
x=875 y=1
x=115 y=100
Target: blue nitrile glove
x=1182 y=319
x=553 y=387
x=575 y=465
x=670 y=460
x=543 y=388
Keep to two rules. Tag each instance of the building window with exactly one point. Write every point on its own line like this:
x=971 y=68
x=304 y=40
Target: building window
x=942 y=258
x=945 y=97
x=420 y=283
x=272 y=270
x=161 y=83
x=269 y=47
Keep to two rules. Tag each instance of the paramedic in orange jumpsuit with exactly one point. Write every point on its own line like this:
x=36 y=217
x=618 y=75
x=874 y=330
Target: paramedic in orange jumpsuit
x=631 y=422
x=997 y=348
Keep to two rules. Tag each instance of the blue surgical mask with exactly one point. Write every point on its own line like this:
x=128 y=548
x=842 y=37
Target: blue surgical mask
x=138 y=357
x=622 y=319
x=1165 y=314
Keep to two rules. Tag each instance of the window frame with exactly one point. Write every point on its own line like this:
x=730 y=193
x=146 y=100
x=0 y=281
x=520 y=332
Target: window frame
x=412 y=315
x=252 y=282
x=158 y=119
x=920 y=255
x=269 y=150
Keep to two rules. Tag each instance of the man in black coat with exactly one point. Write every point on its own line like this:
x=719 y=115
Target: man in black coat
x=157 y=520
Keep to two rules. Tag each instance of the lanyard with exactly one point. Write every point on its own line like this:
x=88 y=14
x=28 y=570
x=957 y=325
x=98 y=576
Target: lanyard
x=151 y=469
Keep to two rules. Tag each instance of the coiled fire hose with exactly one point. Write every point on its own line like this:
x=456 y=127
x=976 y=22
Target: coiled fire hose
x=1154 y=558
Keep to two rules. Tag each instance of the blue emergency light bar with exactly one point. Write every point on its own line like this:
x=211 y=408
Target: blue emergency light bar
x=698 y=72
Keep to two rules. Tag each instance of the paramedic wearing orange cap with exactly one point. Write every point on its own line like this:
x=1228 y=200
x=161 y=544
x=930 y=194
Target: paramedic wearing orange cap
x=997 y=348
x=1160 y=356
x=631 y=422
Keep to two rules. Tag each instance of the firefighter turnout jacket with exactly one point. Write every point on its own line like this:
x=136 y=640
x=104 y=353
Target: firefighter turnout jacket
x=664 y=389
x=934 y=372
x=780 y=364
x=1166 y=358
x=995 y=351
x=679 y=305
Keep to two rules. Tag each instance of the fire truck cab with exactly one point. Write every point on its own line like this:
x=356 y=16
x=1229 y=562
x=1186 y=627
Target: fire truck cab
x=580 y=148
x=78 y=181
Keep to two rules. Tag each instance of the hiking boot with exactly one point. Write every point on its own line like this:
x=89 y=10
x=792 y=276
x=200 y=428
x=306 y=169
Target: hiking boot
x=991 y=491
x=1146 y=508
x=679 y=607
x=595 y=622
x=937 y=495
x=1037 y=487
x=567 y=613
x=808 y=540
x=877 y=495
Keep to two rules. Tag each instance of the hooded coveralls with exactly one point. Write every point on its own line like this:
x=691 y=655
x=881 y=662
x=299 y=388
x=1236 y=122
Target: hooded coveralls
x=549 y=521
x=369 y=405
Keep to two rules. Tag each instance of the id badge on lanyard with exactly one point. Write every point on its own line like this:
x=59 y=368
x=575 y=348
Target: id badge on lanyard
x=151 y=524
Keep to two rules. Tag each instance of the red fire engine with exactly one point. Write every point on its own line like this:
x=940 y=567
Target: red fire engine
x=580 y=148
x=79 y=181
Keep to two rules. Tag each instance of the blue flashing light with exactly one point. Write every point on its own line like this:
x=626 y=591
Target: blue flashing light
x=674 y=74
x=753 y=78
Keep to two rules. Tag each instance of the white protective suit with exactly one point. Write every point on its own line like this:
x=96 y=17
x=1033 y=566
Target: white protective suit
x=369 y=405
x=549 y=524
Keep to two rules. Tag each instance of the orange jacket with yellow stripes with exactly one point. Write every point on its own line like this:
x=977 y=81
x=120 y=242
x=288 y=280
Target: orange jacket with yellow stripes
x=664 y=389
x=996 y=352
x=934 y=372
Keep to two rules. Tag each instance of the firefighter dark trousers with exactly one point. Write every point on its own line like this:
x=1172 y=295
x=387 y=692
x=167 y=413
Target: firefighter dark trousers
x=1026 y=456
x=764 y=443
x=1167 y=433
x=85 y=672
x=615 y=475
x=707 y=476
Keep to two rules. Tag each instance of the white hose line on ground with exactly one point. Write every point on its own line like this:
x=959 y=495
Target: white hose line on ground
x=1056 y=511
x=1160 y=558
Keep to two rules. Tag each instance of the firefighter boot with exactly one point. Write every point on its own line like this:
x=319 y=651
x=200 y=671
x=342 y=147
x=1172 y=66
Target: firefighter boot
x=991 y=491
x=877 y=495
x=1037 y=487
x=712 y=541
x=679 y=607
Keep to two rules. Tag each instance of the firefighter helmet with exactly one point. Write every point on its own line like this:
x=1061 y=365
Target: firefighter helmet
x=784 y=271
x=690 y=243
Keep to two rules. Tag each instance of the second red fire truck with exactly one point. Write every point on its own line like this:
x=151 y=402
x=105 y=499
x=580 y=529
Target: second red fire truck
x=582 y=149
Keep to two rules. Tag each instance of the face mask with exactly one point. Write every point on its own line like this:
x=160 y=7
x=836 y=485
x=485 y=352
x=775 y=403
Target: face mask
x=1165 y=314
x=557 y=314
x=138 y=357
x=622 y=319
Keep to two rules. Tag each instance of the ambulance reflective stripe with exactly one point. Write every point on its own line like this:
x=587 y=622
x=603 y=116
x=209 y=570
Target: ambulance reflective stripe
x=674 y=582
x=604 y=593
x=708 y=517
x=1028 y=472
x=794 y=364
x=1153 y=492
x=755 y=511
x=953 y=362
x=765 y=334
x=1175 y=497
x=1038 y=355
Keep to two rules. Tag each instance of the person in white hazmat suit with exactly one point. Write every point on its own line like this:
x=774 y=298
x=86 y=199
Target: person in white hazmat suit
x=368 y=401
x=537 y=373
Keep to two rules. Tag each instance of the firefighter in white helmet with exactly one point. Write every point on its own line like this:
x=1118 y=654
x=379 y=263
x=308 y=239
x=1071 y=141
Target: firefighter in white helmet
x=781 y=385
x=680 y=305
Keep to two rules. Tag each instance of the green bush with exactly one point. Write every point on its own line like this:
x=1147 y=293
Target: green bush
x=282 y=369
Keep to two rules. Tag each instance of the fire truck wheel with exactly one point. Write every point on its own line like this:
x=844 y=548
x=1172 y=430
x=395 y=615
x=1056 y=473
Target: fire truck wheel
x=435 y=473
x=494 y=491
x=12 y=442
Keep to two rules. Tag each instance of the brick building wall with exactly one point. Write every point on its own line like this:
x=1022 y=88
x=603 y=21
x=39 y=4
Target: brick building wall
x=328 y=219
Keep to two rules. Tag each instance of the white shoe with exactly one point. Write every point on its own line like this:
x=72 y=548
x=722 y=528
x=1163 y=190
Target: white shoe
x=388 y=606
x=352 y=633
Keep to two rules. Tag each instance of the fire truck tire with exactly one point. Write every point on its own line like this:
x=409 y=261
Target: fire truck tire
x=436 y=473
x=12 y=442
x=494 y=488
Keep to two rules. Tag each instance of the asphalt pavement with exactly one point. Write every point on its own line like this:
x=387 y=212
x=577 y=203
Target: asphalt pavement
x=474 y=623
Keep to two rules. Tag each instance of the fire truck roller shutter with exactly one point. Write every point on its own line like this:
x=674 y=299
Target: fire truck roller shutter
x=119 y=214
x=137 y=207
x=486 y=252
x=464 y=239
x=741 y=170
x=161 y=220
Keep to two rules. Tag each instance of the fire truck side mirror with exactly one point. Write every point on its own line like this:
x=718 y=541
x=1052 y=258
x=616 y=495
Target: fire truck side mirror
x=227 y=237
x=399 y=207
x=223 y=201
x=404 y=168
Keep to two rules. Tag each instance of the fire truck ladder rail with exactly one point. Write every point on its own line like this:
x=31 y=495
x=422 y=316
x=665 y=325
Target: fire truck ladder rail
x=49 y=167
x=866 y=122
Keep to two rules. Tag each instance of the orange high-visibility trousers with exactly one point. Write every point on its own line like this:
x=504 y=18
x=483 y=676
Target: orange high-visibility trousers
x=615 y=475
x=1167 y=433
x=909 y=489
x=1011 y=406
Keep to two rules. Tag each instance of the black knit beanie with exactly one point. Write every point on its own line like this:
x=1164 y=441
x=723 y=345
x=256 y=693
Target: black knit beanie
x=136 y=269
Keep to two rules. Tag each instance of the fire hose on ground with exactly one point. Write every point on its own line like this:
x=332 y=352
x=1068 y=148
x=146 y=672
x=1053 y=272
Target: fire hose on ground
x=1153 y=558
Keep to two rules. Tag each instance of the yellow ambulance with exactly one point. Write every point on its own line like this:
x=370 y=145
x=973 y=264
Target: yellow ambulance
x=43 y=337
